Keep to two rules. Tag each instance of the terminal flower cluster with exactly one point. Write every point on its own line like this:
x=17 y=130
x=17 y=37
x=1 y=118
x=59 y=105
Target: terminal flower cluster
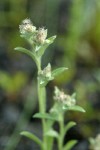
x=27 y=28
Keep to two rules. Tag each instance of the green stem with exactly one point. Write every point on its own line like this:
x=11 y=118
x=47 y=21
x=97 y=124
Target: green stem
x=42 y=104
x=42 y=98
x=61 y=135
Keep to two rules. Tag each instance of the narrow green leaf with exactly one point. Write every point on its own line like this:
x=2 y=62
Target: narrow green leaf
x=73 y=95
x=32 y=137
x=58 y=71
x=45 y=116
x=51 y=39
x=69 y=145
x=25 y=51
x=44 y=81
x=74 y=108
x=41 y=49
x=52 y=133
x=68 y=126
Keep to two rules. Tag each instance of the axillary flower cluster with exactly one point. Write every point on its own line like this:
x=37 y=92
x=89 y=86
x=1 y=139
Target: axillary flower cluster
x=46 y=72
x=95 y=143
x=28 y=29
x=61 y=97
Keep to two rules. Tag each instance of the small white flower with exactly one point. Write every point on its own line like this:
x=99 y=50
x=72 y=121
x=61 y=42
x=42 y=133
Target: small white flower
x=60 y=96
x=27 y=27
x=41 y=35
x=70 y=101
x=96 y=143
x=47 y=71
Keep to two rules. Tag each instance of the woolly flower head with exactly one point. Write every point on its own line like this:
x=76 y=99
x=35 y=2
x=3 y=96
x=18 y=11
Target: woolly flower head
x=41 y=35
x=47 y=71
x=95 y=143
x=63 y=98
x=29 y=32
x=27 y=27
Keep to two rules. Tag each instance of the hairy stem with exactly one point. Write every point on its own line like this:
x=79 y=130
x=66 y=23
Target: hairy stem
x=61 y=137
x=42 y=104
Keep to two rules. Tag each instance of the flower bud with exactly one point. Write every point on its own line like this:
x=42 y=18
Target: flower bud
x=27 y=27
x=95 y=145
x=41 y=35
x=47 y=71
x=60 y=96
x=70 y=101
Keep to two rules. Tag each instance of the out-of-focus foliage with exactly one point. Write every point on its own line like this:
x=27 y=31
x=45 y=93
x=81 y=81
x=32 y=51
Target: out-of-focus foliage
x=12 y=84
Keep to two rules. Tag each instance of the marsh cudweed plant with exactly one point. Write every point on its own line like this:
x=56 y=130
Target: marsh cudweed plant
x=37 y=38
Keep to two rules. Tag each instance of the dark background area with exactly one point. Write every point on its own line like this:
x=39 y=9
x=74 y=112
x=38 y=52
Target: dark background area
x=77 y=26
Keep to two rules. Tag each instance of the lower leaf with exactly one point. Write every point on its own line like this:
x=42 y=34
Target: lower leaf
x=69 y=145
x=69 y=125
x=32 y=137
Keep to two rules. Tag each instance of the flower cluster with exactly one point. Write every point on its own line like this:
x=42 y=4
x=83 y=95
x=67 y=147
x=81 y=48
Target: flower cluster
x=27 y=29
x=61 y=97
x=95 y=143
x=41 y=35
x=46 y=72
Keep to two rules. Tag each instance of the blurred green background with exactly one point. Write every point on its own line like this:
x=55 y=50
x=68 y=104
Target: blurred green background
x=77 y=26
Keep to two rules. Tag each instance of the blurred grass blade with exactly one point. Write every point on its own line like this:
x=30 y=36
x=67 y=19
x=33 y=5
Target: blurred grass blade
x=32 y=137
x=69 y=145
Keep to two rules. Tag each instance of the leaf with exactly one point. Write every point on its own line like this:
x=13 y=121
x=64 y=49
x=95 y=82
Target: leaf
x=69 y=145
x=32 y=137
x=58 y=71
x=41 y=49
x=69 y=125
x=73 y=95
x=74 y=108
x=51 y=39
x=52 y=133
x=44 y=81
x=25 y=51
x=45 y=116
